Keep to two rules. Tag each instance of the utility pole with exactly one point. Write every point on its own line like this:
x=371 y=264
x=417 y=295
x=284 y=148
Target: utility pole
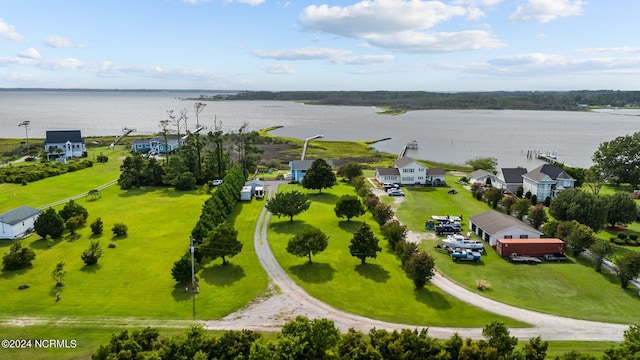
x=26 y=130
x=193 y=274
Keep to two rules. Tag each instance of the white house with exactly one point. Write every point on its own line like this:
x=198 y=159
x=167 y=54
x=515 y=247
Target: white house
x=480 y=177
x=546 y=181
x=435 y=177
x=64 y=143
x=509 y=179
x=17 y=222
x=493 y=225
x=411 y=172
x=387 y=175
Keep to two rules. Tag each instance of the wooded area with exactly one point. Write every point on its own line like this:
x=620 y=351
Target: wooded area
x=420 y=100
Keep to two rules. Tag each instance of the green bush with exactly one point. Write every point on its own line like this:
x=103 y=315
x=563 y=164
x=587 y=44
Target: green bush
x=619 y=242
x=613 y=239
x=633 y=237
x=119 y=229
x=622 y=236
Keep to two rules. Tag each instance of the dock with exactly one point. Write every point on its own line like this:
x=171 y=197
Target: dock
x=550 y=156
x=410 y=145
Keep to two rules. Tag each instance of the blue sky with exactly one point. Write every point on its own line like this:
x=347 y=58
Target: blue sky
x=457 y=45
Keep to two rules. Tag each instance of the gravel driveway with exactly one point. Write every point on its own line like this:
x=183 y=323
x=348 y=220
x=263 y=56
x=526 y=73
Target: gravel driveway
x=285 y=300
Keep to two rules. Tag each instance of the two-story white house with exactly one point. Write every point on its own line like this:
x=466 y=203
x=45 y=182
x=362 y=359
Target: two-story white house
x=405 y=171
x=64 y=143
x=546 y=181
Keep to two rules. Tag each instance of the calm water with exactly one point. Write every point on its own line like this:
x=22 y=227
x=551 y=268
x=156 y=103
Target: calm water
x=444 y=135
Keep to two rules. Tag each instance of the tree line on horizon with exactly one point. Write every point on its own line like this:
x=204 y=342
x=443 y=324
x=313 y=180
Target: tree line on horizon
x=424 y=100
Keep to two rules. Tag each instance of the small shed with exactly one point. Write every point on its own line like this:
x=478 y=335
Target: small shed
x=17 y=222
x=245 y=193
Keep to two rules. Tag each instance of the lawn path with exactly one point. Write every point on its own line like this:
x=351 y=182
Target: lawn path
x=287 y=300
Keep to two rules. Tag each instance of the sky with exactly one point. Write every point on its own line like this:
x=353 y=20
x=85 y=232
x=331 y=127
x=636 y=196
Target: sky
x=288 y=45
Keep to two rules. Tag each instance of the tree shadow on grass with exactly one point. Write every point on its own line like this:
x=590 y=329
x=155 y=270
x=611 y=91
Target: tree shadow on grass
x=313 y=273
x=222 y=275
x=349 y=226
x=90 y=268
x=11 y=274
x=289 y=227
x=325 y=198
x=43 y=244
x=432 y=299
x=181 y=293
x=373 y=272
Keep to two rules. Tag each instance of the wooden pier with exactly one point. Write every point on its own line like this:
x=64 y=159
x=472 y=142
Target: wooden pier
x=411 y=145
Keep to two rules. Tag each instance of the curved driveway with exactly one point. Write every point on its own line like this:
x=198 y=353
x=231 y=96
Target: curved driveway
x=286 y=300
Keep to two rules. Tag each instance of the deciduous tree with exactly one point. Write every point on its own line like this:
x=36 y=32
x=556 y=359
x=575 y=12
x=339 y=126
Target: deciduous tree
x=582 y=206
x=493 y=196
x=364 y=244
x=537 y=216
x=18 y=257
x=627 y=267
x=599 y=250
x=319 y=176
x=619 y=158
x=91 y=255
x=485 y=163
x=349 y=206
x=622 y=209
x=222 y=242
x=288 y=204
x=521 y=207
x=350 y=171
x=58 y=274
x=49 y=223
x=308 y=242
x=394 y=232
x=420 y=268
x=72 y=209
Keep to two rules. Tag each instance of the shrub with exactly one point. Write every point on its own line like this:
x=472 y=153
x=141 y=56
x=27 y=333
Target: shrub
x=91 y=255
x=102 y=158
x=613 y=239
x=630 y=242
x=622 y=236
x=19 y=257
x=633 y=237
x=97 y=226
x=482 y=285
x=119 y=229
x=619 y=241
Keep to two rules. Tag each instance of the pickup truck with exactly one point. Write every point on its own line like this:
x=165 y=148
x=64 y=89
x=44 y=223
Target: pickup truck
x=466 y=256
x=447 y=229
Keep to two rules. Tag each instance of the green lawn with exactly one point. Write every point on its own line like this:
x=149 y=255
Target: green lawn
x=378 y=289
x=134 y=279
x=570 y=289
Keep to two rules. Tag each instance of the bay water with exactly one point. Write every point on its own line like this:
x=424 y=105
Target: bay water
x=448 y=136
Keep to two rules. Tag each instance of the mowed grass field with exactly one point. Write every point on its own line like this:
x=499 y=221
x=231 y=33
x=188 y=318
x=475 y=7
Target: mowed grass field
x=378 y=289
x=134 y=278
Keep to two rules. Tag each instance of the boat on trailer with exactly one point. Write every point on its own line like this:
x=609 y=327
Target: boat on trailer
x=459 y=241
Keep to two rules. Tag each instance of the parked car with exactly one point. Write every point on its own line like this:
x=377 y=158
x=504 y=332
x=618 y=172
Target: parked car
x=388 y=186
x=396 y=192
x=216 y=182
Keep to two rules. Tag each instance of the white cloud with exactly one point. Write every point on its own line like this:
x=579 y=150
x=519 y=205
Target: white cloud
x=9 y=32
x=301 y=54
x=401 y=25
x=546 y=10
x=363 y=59
x=278 y=69
x=194 y=1
x=30 y=53
x=378 y=16
x=418 y=42
x=622 y=49
x=60 y=42
x=250 y=2
x=477 y=2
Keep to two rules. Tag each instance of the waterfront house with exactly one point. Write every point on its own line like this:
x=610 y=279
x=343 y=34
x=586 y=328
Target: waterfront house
x=387 y=175
x=156 y=145
x=509 y=179
x=64 y=143
x=493 y=225
x=411 y=172
x=480 y=176
x=546 y=181
x=435 y=176
x=299 y=168
x=18 y=222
